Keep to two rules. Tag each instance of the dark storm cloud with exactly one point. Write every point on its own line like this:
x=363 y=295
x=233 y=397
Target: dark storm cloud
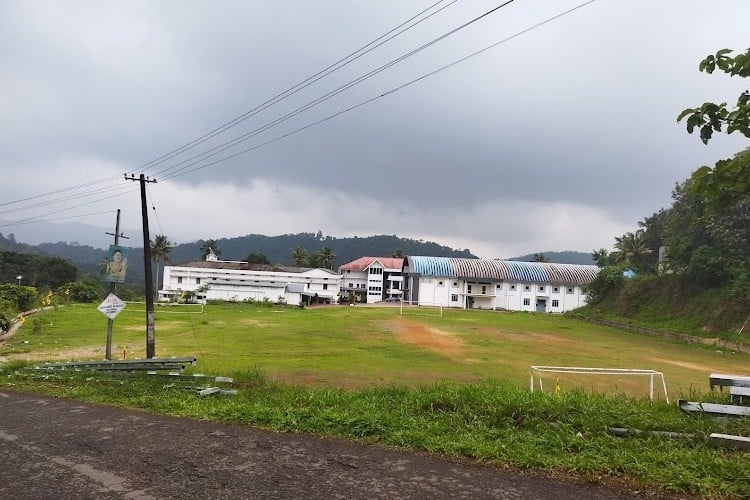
x=579 y=113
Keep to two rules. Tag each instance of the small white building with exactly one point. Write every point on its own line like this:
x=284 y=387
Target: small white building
x=496 y=284
x=239 y=281
x=372 y=279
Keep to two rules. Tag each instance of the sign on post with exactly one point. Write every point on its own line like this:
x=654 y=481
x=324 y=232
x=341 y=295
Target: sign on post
x=111 y=306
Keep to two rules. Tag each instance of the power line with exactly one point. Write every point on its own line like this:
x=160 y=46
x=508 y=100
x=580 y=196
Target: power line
x=184 y=170
x=344 y=61
x=55 y=219
x=351 y=57
x=230 y=144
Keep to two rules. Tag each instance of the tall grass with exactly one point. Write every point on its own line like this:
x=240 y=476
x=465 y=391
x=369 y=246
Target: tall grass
x=489 y=421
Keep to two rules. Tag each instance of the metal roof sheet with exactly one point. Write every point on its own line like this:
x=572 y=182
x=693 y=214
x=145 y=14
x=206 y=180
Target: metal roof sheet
x=504 y=270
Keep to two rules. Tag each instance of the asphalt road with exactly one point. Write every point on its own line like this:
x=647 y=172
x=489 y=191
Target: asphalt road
x=54 y=448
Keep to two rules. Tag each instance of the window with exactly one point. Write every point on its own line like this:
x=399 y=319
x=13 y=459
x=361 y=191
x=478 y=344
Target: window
x=197 y=281
x=455 y=283
x=527 y=301
x=555 y=303
x=454 y=297
x=541 y=288
x=512 y=288
x=376 y=270
x=484 y=289
x=570 y=290
x=440 y=283
x=325 y=286
x=179 y=279
x=526 y=288
x=395 y=285
x=499 y=286
x=351 y=285
x=556 y=289
x=468 y=288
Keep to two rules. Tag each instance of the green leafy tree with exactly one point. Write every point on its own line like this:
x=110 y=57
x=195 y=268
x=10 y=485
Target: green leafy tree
x=18 y=297
x=398 y=254
x=160 y=250
x=257 y=258
x=711 y=117
x=210 y=246
x=727 y=182
x=85 y=289
x=299 y=256
x=607 y=281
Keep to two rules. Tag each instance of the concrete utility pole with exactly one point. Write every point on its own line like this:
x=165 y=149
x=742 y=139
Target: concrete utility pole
x=113 y=289
x=150 y=342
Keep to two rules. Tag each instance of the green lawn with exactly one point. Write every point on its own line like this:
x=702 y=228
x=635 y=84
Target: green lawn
x=353 y=347
x=456 y=384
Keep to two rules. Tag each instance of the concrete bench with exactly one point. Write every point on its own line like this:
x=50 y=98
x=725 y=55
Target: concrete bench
x=724 y=380
x=739 y=395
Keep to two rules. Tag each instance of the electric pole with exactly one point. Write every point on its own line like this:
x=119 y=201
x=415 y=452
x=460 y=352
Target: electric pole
x=150 y=343
x=113 y=289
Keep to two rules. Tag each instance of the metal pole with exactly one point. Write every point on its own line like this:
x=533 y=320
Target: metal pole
x=112 y=289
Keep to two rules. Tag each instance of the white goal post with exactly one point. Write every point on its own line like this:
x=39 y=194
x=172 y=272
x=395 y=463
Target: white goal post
x=416 y=308
x=538 y=370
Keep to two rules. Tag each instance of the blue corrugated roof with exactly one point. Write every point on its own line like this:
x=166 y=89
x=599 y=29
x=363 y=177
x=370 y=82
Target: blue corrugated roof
x=505 y=270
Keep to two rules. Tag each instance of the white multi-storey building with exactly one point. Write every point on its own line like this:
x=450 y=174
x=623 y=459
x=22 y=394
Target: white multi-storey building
x=372 y=279
x=495 y=284
x=237 y=281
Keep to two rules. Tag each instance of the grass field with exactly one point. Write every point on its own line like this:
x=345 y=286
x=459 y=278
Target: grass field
x=456 y=385
x=356 y=347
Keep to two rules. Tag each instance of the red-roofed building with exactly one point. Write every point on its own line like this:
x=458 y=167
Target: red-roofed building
x=372 y=279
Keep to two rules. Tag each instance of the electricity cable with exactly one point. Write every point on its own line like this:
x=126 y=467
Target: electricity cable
x=346 y=60
x=184 y=170
x=229 y=144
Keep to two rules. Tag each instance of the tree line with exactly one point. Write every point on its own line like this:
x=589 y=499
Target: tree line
x=705 y=232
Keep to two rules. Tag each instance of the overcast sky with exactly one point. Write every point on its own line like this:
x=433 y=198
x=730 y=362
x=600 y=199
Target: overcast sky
x=559 y=139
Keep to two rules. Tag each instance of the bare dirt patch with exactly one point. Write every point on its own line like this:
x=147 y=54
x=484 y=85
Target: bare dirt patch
x=79 y=353
x=255 y=322
x=432 y=339
x=529 y=337
x=687 y=364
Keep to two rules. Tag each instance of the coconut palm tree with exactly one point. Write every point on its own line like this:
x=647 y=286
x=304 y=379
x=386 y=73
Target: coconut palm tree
x=630 y=248
x=160 y=249
x=326 y=258
x=299 y=256
x=601 y=257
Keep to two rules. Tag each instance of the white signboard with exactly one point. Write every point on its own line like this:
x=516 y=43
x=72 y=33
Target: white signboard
x=111 y=306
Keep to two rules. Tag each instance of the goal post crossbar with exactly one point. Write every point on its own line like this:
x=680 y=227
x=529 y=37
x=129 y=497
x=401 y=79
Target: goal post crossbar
x=599 y=371
x=425 y=306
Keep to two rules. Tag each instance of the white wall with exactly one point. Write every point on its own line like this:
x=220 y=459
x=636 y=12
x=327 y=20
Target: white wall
x=508 y=295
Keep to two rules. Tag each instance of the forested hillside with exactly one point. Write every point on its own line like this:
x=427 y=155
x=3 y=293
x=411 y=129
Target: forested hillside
x=277 y=249
x=703 y=283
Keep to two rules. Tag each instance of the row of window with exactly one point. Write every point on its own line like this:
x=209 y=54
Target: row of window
x=511 y=287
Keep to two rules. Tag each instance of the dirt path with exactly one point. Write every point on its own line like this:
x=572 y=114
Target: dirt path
x=52 y=448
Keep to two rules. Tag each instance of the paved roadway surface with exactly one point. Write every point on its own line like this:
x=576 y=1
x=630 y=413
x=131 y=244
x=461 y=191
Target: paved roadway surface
x=54 y=448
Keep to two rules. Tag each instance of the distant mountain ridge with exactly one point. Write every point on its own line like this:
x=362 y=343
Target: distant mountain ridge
x=276 y=248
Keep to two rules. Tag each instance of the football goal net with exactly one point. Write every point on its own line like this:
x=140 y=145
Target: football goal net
x=416 y=308
x=572 y=373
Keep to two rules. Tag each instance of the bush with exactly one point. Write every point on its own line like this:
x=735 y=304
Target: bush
x=21 y=298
